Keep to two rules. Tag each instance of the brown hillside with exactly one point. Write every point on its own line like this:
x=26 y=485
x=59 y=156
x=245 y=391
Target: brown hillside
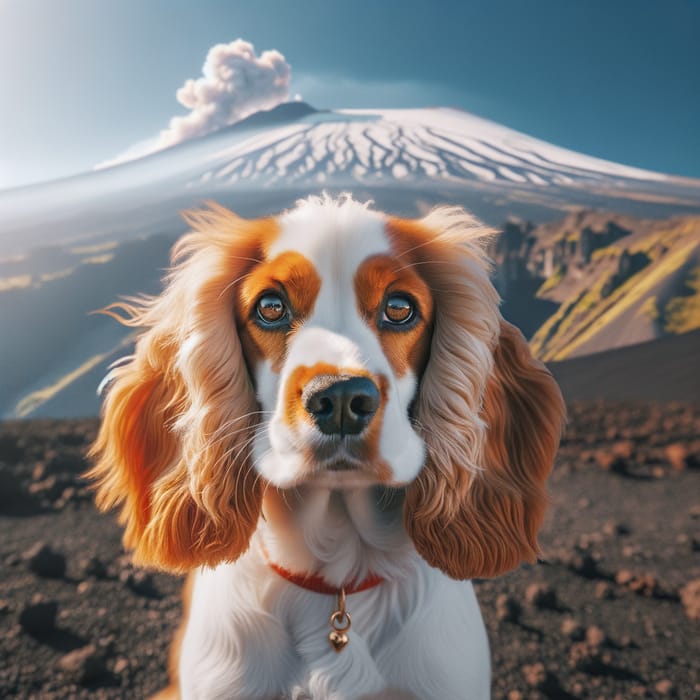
x=608 y=280
x=662 y=370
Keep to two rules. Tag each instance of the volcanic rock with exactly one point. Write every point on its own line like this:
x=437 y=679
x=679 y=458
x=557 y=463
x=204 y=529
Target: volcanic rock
x=678 y=456
x=121 y=665
x=508 y=609
x=615 y=528
x=586 y=658
x=63 y=462
x=604 y=591
x=44 y=561
x=83 y=666
x=14 y=499
x=690 y=597
x=541 y=595
x=643 y=584
x=610 y=462
x=11 y=449
x=49 y=488
x=140 y=582
x=573 y=629
x=595 y=637
x=92 y=567
x=538 y=677
x=39 y=615
x=583 y=563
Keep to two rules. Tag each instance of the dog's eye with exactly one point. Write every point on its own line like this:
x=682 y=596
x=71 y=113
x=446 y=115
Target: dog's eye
x=398 y=310
x=271 y=309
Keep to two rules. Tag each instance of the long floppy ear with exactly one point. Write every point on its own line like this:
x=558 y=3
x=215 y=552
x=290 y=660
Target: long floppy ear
x=491 y=416
x=173 y=449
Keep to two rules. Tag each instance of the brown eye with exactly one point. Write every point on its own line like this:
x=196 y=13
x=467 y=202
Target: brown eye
x=271 y=309
x=398 y=310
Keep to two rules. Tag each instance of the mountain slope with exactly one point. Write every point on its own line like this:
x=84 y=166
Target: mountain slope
x=660 y=370
x=74 y=245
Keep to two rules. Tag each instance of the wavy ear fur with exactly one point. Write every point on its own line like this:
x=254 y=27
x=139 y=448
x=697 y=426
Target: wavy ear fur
x=491 y=416
x=173 y=451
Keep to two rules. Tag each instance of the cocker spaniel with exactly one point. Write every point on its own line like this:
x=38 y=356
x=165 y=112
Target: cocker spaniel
x=330 y=426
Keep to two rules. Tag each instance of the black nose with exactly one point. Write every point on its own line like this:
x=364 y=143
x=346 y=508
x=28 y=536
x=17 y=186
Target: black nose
x=345 y=407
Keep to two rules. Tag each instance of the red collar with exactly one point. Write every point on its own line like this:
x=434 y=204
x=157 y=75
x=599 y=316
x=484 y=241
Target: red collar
x=318 y=584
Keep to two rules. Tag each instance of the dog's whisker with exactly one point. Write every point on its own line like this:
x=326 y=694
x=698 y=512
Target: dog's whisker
x=249 y=461
x=227 y=433
x=233 y=283
x=417 y=263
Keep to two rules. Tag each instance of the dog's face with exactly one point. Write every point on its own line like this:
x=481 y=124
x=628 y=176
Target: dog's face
x=337 y=346
x=335 y=325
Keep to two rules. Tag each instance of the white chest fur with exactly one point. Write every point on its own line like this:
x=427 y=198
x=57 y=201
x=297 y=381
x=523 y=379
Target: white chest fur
x=253 y=635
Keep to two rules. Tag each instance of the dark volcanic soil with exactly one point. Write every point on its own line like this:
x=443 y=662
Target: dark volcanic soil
x=607 y=613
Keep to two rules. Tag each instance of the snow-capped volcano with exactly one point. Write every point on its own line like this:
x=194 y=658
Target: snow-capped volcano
x=407 y=144
x=404 y=159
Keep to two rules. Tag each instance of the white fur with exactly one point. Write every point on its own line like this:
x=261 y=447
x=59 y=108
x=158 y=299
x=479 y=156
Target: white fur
x=336 y=237
x=254 y=635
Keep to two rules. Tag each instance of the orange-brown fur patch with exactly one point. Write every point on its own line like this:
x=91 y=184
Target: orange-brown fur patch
x=375 y=279
x=296 y=278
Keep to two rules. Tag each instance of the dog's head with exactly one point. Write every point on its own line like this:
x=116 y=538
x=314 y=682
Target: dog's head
x=337 y=346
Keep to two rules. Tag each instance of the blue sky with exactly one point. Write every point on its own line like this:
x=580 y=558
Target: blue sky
x=83 y=80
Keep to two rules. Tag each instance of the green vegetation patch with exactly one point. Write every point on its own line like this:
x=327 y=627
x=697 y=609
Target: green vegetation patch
x=682 y=313
x=552 y=281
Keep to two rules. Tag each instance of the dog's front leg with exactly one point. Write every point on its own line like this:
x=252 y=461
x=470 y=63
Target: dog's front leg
x=231 y=647
x=446 y=641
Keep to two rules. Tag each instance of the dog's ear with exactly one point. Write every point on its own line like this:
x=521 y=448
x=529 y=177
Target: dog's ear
x=173 y=450
x=481 y=523
x=491 y=416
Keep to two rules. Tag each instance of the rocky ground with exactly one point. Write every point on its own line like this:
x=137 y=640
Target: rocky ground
x=611 y=611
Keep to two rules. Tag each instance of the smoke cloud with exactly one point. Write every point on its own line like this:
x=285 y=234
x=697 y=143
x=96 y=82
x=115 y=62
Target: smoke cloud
x=235 y=83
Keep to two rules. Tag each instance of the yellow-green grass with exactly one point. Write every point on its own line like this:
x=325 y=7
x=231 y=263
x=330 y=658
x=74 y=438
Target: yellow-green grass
x=610 y=251
x=649 y=309
x=575 y=323
x=629 y=293
x=682 y=314
x=552 y=281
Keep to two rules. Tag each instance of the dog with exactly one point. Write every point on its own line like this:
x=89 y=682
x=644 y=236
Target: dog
x=328 y=424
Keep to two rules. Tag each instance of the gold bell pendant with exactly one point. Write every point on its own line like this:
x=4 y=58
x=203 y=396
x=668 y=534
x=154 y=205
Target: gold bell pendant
x=340 y=624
